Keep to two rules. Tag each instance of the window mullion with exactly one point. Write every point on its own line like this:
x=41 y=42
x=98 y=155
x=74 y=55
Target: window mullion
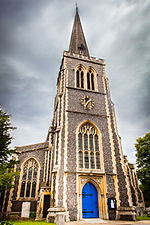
x=89 y=159
x=94 y=143
x=89 y=150
x=85 y=80
x=32 y=179
x=30 y=189
x=95 y=159
x=83 y=160
x=94 y=151
x=26 y=181
x=83 y=149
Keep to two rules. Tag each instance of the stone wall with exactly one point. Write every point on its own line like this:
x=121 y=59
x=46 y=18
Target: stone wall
x=37 y=152
x=76 y=115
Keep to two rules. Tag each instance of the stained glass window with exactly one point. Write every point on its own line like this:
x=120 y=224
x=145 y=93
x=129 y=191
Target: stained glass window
x=85 y=141
x=97 y=160
x=22 y=189
x=86 y=159
x=80 y=141
x=96 y=143
x=81 y=159
x=28 y=189
x=35 y=173
x=92 y=160
x=89 y=152
x=29 y=179
x=30 y=173
x=91 y=141
x=33 y=189
x=24 y=173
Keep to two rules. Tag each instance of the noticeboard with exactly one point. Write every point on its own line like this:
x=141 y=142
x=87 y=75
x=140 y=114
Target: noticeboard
x=112 y=204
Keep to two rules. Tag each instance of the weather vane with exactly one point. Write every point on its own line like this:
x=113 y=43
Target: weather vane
x=76 y=4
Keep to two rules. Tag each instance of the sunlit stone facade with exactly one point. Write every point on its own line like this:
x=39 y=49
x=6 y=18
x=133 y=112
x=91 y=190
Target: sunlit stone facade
x=82 y=151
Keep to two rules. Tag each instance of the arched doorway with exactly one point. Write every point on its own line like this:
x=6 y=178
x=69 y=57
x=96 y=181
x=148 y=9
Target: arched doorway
x=89 y=201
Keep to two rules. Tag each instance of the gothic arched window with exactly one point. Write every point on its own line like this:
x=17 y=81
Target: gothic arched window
x=88 y=147
x=29 y=179
x=80 y=78
x=90 y=80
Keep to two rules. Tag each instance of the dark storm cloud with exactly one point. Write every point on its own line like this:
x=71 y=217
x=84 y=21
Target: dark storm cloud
x=33 y=36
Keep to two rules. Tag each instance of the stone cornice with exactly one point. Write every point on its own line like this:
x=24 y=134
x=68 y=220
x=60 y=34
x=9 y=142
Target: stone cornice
x=91 y=114
x=90 y=91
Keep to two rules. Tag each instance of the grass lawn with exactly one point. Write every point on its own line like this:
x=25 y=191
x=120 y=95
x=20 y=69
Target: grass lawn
x=145 y=217
x=39 y=222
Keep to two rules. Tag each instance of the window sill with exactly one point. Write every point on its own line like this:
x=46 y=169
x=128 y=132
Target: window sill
x=93 y=171
x=27 y=199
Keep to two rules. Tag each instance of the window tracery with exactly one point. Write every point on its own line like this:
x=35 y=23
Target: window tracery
x=29 y=179
x=85 y=78
x=88 y=147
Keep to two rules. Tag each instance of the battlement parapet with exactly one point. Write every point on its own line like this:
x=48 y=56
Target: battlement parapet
x=86 y=58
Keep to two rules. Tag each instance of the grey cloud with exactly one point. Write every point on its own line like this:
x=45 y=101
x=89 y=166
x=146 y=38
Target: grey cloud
x=33 y=36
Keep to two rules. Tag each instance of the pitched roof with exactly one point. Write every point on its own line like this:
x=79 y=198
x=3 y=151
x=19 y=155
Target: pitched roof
x=77 y=43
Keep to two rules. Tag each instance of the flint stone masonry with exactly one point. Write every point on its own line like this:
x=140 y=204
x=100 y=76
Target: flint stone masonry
x=59 y=174
x=36 y=151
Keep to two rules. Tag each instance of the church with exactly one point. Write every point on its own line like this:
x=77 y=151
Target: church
x=80 y=169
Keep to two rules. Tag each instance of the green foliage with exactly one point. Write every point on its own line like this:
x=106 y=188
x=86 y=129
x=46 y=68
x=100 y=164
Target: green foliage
x=6 y=223
x=6 y=154
x=145 y=217
x=5 y=137
x=32 y=215
x=143 y=164
x=21 y=222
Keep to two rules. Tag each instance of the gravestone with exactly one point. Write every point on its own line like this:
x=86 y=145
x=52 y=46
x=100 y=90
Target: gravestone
x=60 y=219
x=25 y=209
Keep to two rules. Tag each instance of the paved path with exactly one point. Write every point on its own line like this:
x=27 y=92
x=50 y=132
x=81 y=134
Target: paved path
x=105 y=222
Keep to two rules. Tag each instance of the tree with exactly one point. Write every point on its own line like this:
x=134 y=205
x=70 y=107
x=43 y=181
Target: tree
x=6 y=153
x=143 y=164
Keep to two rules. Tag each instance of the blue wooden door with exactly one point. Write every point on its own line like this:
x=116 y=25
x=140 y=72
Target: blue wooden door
x=89 y=201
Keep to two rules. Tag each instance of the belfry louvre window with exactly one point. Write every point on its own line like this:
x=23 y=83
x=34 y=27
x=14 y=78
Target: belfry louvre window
x=90 y=80
x=29 y=179
x=88 y=147
x=79 y=78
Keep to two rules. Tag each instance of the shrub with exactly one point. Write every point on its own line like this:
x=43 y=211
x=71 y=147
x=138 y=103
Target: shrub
x=32 y=215
x=6 y=223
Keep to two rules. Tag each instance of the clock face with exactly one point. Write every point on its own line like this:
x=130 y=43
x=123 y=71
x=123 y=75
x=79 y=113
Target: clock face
x=87 y=102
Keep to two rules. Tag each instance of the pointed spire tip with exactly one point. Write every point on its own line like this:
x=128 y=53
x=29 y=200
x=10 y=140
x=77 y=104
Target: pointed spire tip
x=78 y=43
x=76 y=5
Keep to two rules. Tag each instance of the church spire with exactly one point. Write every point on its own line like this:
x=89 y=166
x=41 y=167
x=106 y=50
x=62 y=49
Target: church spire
x=77 y=43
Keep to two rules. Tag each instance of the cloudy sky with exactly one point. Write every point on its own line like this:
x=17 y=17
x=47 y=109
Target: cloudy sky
x=33 y=36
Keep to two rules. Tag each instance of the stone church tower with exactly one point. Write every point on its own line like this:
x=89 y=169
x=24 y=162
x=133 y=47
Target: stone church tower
x=88 y=163
x=80 y=169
